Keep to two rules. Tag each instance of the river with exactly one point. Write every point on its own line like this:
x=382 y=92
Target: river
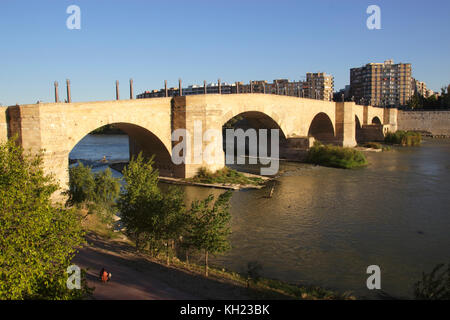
x=325 y=226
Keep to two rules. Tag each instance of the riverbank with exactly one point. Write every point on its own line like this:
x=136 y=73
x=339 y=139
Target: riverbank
x=142 y=277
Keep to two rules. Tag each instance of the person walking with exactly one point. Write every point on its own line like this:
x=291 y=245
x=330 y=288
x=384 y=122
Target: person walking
x=104 y=276
x=101 y=274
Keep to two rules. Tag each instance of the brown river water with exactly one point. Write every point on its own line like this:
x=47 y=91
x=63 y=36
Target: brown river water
x=325 y=226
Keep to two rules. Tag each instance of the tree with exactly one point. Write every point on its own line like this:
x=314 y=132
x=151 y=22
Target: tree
x=209 y=225
x=95 y=192
x=444 y=98
x=172 y=218
x=415 y=102
x=38 y=239
x=81 y=185
x=139 y=201
x=107 y=189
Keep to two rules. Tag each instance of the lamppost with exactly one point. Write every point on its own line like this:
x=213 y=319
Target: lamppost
x=56 y=92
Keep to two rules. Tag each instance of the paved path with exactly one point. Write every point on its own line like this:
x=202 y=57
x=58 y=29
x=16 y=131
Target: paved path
x=128 y=281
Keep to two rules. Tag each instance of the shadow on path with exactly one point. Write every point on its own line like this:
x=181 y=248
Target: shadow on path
x=136 y=277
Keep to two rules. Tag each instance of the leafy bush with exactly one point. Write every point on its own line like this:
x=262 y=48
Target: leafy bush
x=435 y=285
x=336 y=157
x=404 y=138
x=38 y=238
x=253 y=272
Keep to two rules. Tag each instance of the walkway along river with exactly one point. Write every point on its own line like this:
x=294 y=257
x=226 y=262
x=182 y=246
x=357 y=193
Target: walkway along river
x=324 y=226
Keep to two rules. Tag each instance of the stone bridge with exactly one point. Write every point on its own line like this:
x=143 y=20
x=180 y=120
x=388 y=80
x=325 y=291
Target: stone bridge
x=57 y=127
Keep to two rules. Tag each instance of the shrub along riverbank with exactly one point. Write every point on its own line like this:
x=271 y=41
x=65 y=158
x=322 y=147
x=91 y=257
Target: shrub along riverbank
x=224 y=176
x=404 y=138
x=336 y=157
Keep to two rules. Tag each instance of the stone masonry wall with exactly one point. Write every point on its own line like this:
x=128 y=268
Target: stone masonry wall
x=435 y=122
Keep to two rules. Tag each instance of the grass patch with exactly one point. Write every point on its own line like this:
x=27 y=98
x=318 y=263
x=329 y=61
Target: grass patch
x=94 y=223
x=404 y=138
x=336 y=157
x=225 y=176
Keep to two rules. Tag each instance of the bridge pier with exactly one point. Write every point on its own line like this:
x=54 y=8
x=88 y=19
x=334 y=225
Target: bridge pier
x=196 y=120
x=345 y=124
x=390 y=119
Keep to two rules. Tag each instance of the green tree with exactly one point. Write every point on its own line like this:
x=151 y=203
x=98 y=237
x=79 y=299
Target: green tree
x=415 y=102
x=81 y=185
x=95 y=192
x=107 y=189
x=445 y=97
x=171 y=218
x=209 y=225
x=139 y=201
x=38 y=238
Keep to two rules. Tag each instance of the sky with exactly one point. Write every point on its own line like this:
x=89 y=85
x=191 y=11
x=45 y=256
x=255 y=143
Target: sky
x=196 y=40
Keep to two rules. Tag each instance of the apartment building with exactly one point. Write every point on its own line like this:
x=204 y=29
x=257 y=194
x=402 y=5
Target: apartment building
x=319 y=86
x=211 y=88
x=381 y=84
x=278 y=86
x=420 y=87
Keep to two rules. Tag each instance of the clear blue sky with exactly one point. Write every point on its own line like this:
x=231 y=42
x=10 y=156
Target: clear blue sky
x=236 y=40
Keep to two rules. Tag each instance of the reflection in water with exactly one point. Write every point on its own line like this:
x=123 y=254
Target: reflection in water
x=324 y=226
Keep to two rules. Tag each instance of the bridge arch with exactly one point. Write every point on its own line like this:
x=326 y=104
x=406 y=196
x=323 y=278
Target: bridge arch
x=321 y=128
x=141 y=140
x=376 y=120
x=257 y=120
x=358 y=130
